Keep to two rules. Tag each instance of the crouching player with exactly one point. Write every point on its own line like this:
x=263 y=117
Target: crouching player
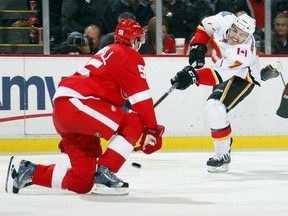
x=88 y=106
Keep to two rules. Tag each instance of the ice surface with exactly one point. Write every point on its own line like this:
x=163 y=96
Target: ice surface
x=168 y=184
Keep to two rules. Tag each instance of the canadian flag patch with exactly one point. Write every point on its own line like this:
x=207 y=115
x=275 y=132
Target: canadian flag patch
x=242 y=52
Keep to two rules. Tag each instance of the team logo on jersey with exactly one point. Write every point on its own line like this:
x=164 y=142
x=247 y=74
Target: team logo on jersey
x=242 y=52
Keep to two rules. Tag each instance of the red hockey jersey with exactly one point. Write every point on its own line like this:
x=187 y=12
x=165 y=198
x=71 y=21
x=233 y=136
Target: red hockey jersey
x=114 y=74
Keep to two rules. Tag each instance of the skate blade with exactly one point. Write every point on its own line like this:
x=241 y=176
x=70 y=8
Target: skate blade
x=223 y=168
x=102 y=190
x=11 y=174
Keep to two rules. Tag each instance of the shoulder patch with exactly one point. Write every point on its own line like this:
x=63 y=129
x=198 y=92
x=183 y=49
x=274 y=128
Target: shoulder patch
x=225 y=13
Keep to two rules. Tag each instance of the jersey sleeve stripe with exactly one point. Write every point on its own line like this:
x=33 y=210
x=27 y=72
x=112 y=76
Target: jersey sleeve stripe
x=141 y=96
x=95 y=62
x=217 y=77
x=84 y=72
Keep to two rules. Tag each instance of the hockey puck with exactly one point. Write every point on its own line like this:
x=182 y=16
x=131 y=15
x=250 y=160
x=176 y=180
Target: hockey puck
x=136 y=165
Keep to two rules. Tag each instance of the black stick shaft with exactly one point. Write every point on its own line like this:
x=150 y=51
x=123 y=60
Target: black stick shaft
x=165 y=95
x=280 y=69
x=282 y=78
x=158 y=102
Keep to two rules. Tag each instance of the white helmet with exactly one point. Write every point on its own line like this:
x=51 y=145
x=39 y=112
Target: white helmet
x=245 y=23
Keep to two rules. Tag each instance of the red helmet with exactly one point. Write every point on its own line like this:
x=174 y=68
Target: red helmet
x=127 y=31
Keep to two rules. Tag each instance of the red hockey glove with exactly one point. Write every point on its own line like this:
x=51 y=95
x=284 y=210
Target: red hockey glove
x=151 y=140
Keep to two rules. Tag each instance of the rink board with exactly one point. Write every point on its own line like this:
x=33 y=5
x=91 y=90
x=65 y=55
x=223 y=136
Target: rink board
x=169 y=144
x=27 y=86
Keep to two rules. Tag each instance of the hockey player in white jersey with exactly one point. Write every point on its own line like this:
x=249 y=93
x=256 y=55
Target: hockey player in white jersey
x=233 y=75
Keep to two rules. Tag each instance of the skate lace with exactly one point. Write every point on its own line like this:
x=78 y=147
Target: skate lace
x=109 y=174
x=112 y=176
x=25 y=174
x=219 y=157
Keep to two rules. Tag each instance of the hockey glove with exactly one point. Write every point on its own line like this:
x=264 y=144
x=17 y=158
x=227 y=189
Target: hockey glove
x=197 y=54
x=151 y=140
x=268 y=72
x=185 y=78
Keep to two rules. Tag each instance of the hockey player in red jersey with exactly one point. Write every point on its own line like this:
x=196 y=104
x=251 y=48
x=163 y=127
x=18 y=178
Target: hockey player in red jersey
x=233 y=75
x=88 y=107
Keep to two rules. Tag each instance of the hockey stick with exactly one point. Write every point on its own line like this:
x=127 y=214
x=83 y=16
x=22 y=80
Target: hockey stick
x=282 y=78
x=280 y=69
x=171 y=89
x=283 y=107
x=272 y=71
x=165 y=94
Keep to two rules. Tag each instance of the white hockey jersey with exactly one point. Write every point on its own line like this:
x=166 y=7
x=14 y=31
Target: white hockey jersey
x=229 y=60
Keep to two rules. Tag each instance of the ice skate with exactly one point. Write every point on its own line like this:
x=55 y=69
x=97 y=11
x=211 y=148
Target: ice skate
x=23 y=177
x=107 y=183
x=219 y=163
